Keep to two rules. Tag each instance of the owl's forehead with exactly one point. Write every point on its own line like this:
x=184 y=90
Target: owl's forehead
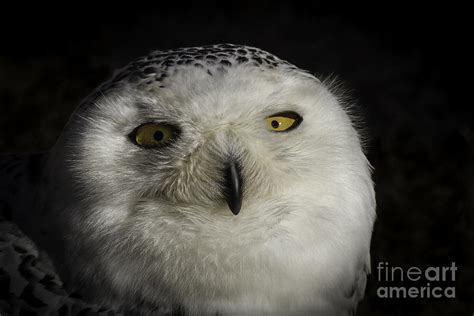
x=221 y=68
x=159 y=65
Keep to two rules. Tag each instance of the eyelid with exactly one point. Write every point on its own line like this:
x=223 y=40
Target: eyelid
x=288 y=114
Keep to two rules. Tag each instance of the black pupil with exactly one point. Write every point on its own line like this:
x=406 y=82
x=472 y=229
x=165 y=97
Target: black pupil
x=158 y=136
x=275 y=124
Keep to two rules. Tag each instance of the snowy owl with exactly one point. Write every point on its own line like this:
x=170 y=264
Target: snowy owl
x=209 y=180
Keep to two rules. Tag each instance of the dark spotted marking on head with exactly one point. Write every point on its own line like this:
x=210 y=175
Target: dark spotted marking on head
x=226 y=63
x=145 y=71
x=258 y=60
x=242 y=59
x=149 y=70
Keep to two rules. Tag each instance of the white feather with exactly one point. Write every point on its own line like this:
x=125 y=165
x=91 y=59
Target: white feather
x=153 y=225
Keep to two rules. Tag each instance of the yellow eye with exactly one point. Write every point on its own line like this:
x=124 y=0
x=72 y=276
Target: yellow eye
x=282 y=122
x=153 y=135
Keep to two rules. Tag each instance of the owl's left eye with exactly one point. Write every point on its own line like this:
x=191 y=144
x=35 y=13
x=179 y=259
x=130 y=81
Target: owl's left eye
x=153 y=135
x=284 y=121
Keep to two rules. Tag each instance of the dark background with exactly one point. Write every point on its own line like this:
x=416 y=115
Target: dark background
x=405 y=67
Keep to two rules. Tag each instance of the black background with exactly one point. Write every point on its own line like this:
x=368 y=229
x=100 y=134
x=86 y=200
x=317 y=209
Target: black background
x=405 y=68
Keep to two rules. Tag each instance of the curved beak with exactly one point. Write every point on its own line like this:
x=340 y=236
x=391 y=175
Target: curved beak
x=233 y=187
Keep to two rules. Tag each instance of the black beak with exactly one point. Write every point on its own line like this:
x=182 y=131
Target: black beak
x=233 y=187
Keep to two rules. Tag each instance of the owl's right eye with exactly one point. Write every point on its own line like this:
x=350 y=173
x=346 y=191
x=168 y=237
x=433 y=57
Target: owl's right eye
x=153 y=135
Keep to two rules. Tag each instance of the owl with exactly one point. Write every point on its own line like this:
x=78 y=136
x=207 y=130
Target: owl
x=207 y=180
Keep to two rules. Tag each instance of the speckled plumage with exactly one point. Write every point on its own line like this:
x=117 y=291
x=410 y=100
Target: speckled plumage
x=29 y=284
x=150 y=72
x=149 y=230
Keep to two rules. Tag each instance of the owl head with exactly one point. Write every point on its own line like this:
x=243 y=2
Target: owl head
x=196 y=172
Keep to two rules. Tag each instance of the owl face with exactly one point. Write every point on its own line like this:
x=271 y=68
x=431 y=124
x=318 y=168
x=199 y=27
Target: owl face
x=229 y=169
x=177 y=144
